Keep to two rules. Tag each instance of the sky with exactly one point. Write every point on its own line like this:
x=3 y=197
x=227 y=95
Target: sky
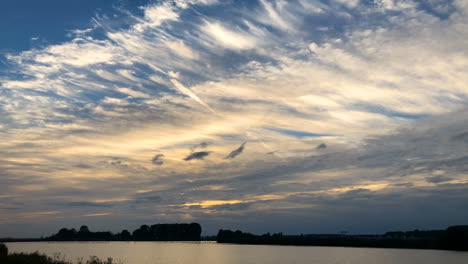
x=300 y=116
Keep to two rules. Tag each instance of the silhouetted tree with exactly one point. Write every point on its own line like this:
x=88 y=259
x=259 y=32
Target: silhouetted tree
x=168 y=232
x=66 y=234
x=455 y=238
x=158 y=232
x=83 y=234
x=142 y=233
x=102 y=236
x=3 y=252
x=125 y=235
x=84 y=229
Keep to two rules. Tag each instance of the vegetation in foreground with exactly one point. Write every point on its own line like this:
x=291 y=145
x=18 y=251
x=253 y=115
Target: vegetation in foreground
x=37 y=258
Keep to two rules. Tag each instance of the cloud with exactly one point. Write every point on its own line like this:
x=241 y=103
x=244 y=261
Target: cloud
x=461 y=137
x=181 y=49
x=133 y=93
x=77 y=53
x=438 y=179
x=155 y=15
x=197 y=155
x=276 y=18
x=210 y=203
x=236 y=152
x=190 y=94
x=201 y=145
x=321 y=146
x=236 y=40
x=148 y=197
x=97 y=214
x=114 y=101
x=351 y=3
x=158 y=159
x=187 y=3
x=85 y=204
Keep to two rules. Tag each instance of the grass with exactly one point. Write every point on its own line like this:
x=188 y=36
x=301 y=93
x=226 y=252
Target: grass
x=37 y=258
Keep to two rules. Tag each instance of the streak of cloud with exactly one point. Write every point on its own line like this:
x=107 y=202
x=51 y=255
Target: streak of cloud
x=201 y=145
x=190 y=94
x=197 y=155
x=236 y=152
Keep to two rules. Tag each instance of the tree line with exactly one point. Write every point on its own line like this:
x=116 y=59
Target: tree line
x=453 y=238
x=157 y=232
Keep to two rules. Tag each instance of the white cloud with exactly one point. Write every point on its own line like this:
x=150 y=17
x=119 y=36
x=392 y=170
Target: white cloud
x=395 y=5
x=190 y=94
x=114 y=101
x=228 y=38
x=157 y=14
x=179 y=48
x=313 y=6
x=187 y=3
x=129 y=74
x=275 y=18
x=174 y=75
x=349 y=3
x=133 y=93
x=78 y=53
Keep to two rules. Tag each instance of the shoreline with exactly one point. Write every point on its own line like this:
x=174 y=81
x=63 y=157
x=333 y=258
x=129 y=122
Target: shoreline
x=242 y=244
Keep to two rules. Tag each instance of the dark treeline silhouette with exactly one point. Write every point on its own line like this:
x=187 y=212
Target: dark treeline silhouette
x=158 y=232
x=453 y=238
x=170 y=232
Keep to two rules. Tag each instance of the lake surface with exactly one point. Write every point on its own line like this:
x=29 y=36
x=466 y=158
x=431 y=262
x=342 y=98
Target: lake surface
x=212 y=253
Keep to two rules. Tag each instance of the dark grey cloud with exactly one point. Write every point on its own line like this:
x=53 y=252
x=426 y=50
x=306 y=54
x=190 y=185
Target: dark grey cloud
x=321 y=146
x=201 y=145
x=85 y=204
x=157 y=159
x=116 y=162
x=83 y=166
x=236 y=152
x=197 y=155
x=404 y=184
x=232 y=207
x=438 y=179
x=360 y=193
x=461 y=137
x=148 y=198
x=8 y=208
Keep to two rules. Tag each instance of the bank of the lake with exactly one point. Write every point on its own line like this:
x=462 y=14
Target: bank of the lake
x=7 y=257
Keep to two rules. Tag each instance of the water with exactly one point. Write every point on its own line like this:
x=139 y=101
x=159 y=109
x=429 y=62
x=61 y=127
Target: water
x=212 y=253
